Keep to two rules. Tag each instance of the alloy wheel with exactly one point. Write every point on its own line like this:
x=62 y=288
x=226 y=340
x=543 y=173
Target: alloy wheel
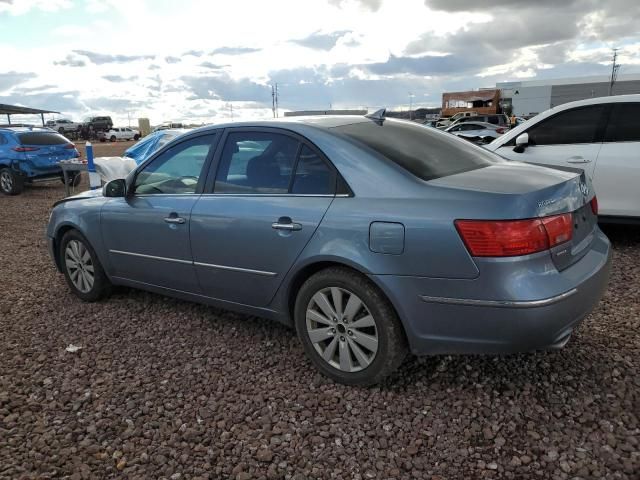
x=79 y=266
x=342 y=329
x=6 y=181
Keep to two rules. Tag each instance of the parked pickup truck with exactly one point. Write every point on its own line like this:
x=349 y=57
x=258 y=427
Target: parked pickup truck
x=63 y=125
x=120 y=133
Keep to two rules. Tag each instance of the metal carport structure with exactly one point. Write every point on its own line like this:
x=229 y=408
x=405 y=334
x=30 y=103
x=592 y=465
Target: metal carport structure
x=9 y=110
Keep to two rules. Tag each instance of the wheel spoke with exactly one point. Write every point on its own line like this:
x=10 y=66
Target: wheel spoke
x=319 y=334
x=330 y=351
x=362 y=358
x=367 y=341
x=336 y=296
x=317 y=317
x=345 y=357
x=86 y=258
x=364 y=322
x=353 y=305
x=322 y=302
x=70 y=262
x=89 y=268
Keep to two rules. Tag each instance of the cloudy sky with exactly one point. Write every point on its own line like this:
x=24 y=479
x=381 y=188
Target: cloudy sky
x=196 y=60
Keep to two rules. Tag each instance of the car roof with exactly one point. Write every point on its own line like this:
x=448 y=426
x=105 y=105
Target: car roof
x=26 y=129
x=514 y=132
x=319 y=121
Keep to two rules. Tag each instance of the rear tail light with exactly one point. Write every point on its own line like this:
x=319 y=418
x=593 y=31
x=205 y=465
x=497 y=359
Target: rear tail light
x=594 y=205
x=25 y=149
x=500 y=130
x=69 y=146
x=509 y=238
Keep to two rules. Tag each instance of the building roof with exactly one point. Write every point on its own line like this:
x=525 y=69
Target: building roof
x=567 y=81
x=16 y=109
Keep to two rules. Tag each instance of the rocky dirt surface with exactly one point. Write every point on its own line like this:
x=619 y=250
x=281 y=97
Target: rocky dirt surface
x=167 y=389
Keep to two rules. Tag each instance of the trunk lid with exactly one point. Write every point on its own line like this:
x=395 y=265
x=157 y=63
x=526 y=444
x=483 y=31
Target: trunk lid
x=514 y=191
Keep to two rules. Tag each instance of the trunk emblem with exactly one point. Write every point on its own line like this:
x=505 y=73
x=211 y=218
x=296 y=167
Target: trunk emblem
x=584 y=188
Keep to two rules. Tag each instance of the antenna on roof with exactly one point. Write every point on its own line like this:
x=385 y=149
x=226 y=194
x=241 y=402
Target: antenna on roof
x=377 y=116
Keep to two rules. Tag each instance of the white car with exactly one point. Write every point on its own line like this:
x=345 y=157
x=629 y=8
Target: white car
x=121 y=133
x=445 y=122
x=476 y=129
x=599 y=135
x=63 y=125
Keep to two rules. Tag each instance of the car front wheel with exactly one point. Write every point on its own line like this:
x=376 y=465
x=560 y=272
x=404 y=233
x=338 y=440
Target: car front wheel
x=82 y=269
x=10 y=183
x=348 y=328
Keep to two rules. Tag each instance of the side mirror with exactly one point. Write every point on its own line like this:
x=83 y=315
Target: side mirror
x=522 y=141
x=115 y=188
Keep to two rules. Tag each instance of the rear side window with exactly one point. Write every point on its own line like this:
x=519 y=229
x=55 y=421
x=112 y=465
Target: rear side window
x=425 y=152
x=624 y=123
x=256 y=162
x=313 y=176
x=41 y=138
x=578 y=125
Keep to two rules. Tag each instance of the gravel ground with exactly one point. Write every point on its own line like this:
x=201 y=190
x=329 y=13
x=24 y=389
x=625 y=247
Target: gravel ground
x=167 y=389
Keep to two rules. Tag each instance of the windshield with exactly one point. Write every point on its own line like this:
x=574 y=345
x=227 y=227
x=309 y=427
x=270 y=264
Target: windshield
x=425 y=152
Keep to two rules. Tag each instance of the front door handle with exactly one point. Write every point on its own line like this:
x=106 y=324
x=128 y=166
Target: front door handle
x=285 y=223
x=179 y=220
x=578 y=159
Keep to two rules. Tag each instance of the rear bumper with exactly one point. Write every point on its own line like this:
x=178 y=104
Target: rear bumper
x=508 y=308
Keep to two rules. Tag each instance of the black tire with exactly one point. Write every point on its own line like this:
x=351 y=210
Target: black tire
x=61 y=130
x=113 y=139
x=136 y=137
x=73 y=179
x=10 y=183
x=101 y=286
x=391 y=341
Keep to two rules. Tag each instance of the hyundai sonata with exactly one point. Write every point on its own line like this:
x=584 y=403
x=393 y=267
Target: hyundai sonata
x=373 y=237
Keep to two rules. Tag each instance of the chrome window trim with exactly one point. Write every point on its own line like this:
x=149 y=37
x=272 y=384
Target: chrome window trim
x=500 y=303
x=198 y=264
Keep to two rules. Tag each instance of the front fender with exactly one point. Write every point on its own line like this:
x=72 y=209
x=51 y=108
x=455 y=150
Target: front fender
x=84 y=216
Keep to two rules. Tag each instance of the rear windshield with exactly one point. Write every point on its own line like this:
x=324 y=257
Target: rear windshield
x=41 y=138
x=423 y=151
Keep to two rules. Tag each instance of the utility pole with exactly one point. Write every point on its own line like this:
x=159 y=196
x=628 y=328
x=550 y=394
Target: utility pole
x=614 y=71
x=277 y=113
x=273 y=101
x=411 y=95
x=231 y=109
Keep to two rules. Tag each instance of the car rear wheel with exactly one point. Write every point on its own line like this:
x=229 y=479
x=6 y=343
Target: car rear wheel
x=82 y=269
x=113 y=138
x=348 y=328
x=10 y=183
x=73 y=179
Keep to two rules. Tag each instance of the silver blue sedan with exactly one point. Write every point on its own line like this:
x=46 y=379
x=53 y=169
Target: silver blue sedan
x=373 y=237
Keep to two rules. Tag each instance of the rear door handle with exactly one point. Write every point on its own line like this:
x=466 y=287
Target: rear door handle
x=285 y=223
x=179 y=220
x=578 y=159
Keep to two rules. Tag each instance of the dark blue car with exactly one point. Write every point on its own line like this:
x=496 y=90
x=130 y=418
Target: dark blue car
x=30 y=155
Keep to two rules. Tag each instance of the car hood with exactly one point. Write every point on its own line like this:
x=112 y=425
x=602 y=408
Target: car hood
x=81 y=196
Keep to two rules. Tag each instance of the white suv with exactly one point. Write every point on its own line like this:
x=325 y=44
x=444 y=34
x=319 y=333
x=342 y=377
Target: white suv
x=599 y=135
